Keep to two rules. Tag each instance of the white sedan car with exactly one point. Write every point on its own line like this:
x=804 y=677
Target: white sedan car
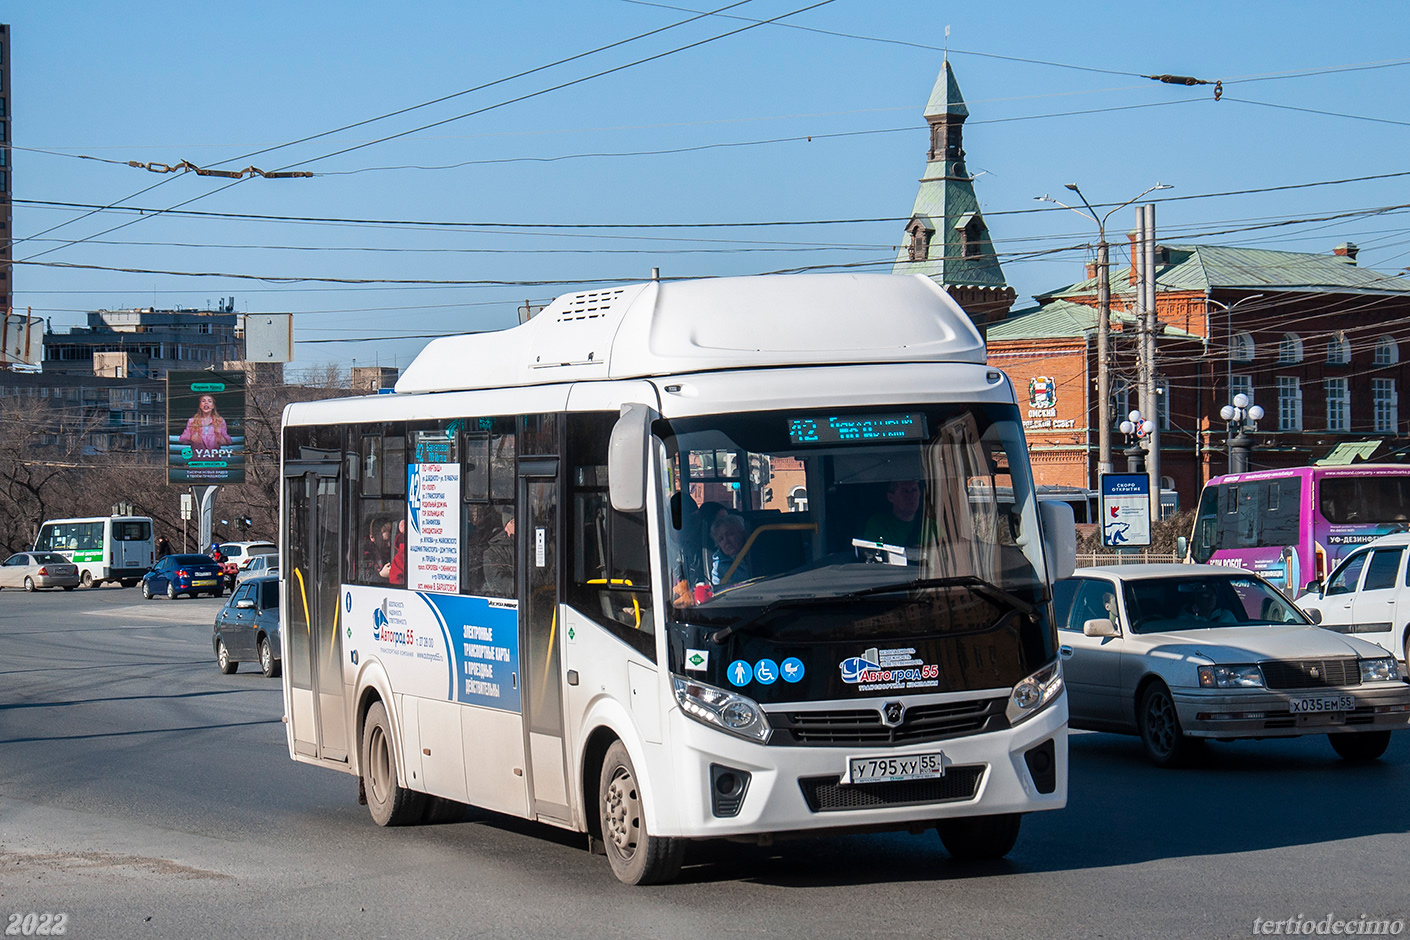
x=1182 y=653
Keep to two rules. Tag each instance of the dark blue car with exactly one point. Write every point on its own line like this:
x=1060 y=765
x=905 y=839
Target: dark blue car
x=175 y=575
x=247 y=627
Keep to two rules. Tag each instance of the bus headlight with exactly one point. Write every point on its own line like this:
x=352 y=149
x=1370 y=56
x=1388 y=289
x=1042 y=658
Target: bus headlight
x=1380 y=670
x=720 y=709
x=1035 y=693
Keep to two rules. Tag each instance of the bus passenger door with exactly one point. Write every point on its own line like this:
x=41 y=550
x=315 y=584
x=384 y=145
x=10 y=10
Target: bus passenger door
x=540 y=640
x=313 y=652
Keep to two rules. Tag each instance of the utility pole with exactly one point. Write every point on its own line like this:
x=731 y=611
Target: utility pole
x=1103 y=409
x=1152 y=363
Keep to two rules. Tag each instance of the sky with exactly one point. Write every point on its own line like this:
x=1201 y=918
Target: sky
x=689 y=161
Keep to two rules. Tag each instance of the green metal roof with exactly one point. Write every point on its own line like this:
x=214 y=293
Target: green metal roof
x=1216 y=267
x=1060 y=319
x=945 y=97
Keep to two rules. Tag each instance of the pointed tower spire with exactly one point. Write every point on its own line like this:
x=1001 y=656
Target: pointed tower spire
x=946 y=238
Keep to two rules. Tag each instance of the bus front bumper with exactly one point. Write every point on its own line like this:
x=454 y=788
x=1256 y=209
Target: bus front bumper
x=792 y=789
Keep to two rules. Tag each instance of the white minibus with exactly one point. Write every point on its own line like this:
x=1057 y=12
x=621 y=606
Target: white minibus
x=105 y=548
x=738 y=558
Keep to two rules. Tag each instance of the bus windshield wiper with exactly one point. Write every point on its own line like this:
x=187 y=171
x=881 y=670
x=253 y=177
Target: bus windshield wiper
x=985 y=588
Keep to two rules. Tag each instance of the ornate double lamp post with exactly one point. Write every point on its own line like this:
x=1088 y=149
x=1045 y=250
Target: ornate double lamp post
x=1241 y=417
x=1137 y=430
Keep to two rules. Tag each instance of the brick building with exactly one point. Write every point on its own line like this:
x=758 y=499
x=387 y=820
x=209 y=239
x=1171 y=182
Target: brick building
x=1312 y=338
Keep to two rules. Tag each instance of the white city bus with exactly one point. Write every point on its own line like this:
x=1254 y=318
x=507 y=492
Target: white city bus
x=502 y=587
x=105 y=548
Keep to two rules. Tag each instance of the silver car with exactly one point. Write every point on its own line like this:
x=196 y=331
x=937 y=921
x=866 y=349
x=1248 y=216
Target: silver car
x=35 y=570
x=258 y=567
x=1181 y=653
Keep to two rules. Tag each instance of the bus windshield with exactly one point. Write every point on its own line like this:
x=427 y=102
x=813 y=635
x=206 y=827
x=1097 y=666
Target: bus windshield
x=896 y=521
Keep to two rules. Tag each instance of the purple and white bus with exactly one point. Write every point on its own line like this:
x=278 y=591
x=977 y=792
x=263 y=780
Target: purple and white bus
x=1292 y=526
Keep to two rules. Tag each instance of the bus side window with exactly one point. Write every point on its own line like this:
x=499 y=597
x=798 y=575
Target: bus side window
x=610 y=567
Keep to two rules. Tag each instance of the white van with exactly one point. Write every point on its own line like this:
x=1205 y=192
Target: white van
x=1368 y=594
x=105 y=548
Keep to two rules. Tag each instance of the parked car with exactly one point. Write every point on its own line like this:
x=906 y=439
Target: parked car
x=175 y=575
x=35 y=570
x=247 y=627
x=1368 y=594
x=259 y=566
x=1181 y=653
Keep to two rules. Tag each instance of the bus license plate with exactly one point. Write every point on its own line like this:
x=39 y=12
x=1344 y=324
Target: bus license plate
x=1321 y=703
x=893 y=769
x=205 y=582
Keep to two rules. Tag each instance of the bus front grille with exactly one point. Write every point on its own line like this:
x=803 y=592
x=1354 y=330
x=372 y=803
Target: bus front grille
x=829 y=794
x=920 y=723
x=1311 y=673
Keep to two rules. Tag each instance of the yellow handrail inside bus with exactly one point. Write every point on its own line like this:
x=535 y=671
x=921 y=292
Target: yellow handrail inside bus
x=636 y=607
x=770 y=527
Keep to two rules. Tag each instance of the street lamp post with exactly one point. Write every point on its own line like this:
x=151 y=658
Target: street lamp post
x=1137 y=429
x=1103 y=314
x=1229 y=341
x=1241 y=417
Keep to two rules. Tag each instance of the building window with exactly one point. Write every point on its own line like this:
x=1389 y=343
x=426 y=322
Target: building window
x=1387 y=352
x=1242 y=348
x=919 y=248
x=1289 y=403
x=1338 y=350
x=972 y=239
x=1162 y=404
x=1385 y=406
x=1241 y=385
x=1338 y=406
x=1290 y=348
x=1120 y=399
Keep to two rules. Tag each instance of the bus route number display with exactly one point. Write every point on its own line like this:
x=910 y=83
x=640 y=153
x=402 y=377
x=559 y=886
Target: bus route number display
x=857 y=429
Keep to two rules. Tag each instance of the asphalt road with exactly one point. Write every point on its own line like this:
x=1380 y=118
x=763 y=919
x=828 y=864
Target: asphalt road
x=144 y=794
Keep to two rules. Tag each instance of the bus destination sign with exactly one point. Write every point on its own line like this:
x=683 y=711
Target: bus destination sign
x=857 y=429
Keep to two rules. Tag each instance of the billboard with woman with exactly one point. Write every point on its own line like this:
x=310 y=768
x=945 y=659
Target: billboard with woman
x=205 y=426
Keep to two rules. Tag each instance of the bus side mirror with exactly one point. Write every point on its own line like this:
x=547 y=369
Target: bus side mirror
x=627 y=458
x=1182 y=548
x=1059 y=539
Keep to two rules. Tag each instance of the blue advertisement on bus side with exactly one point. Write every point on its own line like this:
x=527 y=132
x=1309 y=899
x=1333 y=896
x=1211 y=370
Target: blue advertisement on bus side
x=462 y=649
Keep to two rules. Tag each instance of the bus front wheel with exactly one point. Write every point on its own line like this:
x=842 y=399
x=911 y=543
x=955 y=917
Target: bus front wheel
x=390 y=803
x=979 y=838
x=86 y=579
x=637 y=857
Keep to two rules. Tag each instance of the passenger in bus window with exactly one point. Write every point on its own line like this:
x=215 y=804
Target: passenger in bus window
x=396 y=570
x=730 y=532
x=376 y=555
x=499 y=560
x=899 y=524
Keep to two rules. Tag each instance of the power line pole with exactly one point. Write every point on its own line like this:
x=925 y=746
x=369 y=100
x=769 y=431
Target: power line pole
x=1151 y=371
x=1103 y=409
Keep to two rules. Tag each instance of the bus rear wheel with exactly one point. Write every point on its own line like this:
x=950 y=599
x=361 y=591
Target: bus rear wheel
x=979 y=838
x=637 y=857
x=390 y=803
